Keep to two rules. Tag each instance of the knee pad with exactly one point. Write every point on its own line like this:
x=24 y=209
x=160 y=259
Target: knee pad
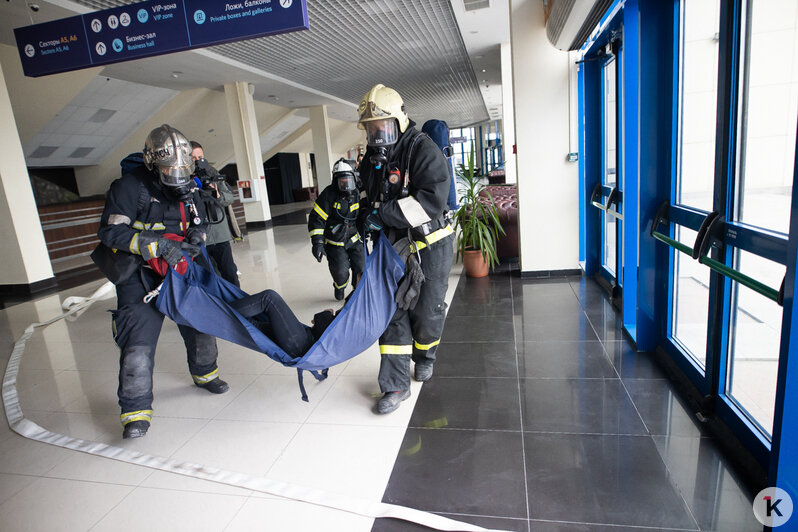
x=135 y=371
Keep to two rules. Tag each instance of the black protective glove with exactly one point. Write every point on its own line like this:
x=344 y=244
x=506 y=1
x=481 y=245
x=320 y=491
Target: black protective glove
x=195 y=236
x=168 y=250
x=409 y=287
x=318 y=250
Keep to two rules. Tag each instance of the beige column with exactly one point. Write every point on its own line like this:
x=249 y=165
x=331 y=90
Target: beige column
x=508 y=110
x=548 y=213
x=246 y=146
x=321 y=145
x=26 y=263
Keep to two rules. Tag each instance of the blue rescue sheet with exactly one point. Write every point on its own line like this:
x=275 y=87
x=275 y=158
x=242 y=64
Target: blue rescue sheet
x=200 y=300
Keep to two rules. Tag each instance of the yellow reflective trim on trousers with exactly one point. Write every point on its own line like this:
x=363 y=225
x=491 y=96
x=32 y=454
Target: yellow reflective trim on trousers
x=426 y=347
x=138 y=415
x=134 y=244
x=396 y=349
x=319 y=211
x=355 y=237
x=158 y=227
x=317 y=232
x=140 y=225
x=204 y=379
x=333 y=242
x=341 y=286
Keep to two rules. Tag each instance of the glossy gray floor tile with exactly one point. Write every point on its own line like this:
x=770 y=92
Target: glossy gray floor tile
x=663 y=412
x=602 y=480
x=564 y=360
x=607 y=444
x=591 y=406
x=468 y=403
x=482 y=359
x=472 y=472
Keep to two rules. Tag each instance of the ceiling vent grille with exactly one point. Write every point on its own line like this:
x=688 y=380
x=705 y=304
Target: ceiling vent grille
x=423 y=56
x=102 y=115
x=43 y=152
x=79 y=153
x=473 y=5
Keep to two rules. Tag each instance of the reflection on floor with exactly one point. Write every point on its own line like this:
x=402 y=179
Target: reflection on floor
x=539 y=417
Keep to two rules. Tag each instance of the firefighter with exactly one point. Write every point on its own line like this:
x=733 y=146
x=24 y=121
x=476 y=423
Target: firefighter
x=333 y=227
x=406 y=178
x=149 y=201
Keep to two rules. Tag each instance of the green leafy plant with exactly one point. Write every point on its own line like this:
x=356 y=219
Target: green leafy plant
x=477 y=219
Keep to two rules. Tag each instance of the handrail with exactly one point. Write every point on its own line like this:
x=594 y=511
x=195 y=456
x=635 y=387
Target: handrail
x=614 y=197
x=597 y=193
x=711 y=234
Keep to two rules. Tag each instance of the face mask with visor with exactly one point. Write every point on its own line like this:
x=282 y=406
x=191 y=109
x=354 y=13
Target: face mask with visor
x=381 y=133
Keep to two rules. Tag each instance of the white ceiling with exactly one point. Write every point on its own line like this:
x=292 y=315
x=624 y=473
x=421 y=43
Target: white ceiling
x=443 y=60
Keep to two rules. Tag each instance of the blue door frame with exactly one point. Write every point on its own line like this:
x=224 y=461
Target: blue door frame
x=648 y=134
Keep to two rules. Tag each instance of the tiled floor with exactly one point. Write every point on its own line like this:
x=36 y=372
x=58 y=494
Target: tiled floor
x=539 y=417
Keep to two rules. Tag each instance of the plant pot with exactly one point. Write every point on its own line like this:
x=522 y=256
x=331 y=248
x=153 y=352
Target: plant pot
x=475 y=263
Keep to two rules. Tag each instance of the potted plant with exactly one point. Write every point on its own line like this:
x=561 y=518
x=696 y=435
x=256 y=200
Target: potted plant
x=477 y=221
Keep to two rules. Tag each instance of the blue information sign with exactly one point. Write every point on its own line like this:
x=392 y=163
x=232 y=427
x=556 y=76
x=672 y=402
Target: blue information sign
x=151 y=28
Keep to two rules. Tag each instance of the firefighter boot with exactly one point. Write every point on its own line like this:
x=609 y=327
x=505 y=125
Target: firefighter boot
x=423 y=372
x=217 y=385
x=390 y=401
x=135 y=429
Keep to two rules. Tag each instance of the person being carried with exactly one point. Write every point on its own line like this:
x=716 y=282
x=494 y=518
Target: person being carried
x=269 y=312
x=334 y=229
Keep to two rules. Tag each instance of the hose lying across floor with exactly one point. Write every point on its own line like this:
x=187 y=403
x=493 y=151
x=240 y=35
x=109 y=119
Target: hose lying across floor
x=29 y=429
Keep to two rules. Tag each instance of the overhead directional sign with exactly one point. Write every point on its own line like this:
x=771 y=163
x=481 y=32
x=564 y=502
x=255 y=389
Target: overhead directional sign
x=151 y=28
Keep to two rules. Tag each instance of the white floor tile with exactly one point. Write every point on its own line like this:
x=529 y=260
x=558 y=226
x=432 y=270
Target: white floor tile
x=249 y=447
x=293 y=516
x=354 y=460
x=82 y=466
x=351 y=401
x=64 y=388
x=174 y=481
x=156 y=510
x=276 y=398
x=25 y=457
x=54 y=505
x=10 y=485
x=176 y=395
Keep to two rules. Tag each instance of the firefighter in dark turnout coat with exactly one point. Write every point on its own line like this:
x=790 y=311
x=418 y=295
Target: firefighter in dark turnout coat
x=149 y=201
x=333 y=226
x=406 y=178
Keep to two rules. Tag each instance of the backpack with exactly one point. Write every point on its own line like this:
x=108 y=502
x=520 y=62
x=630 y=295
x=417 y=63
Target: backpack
x=438 y=131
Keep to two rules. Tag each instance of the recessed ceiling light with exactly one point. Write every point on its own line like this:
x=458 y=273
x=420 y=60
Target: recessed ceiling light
x=473 y=32
x=483 y=70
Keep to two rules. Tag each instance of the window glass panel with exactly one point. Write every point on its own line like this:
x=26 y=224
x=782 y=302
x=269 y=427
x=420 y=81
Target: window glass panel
x=610 y=125
x=690 y=300
x=698 y=102
x=754 y=341
x=769 y=112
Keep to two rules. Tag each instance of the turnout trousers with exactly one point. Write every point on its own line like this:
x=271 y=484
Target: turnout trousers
x=341 y=259
x=415 y=334
x=136 y=326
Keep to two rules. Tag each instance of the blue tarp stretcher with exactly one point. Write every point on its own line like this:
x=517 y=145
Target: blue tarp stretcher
x=200 y=300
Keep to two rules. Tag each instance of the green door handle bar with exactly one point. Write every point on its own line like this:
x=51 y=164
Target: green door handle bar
x=711 y=229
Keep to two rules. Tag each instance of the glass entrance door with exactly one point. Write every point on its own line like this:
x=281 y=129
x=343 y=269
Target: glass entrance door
x=731 y=194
